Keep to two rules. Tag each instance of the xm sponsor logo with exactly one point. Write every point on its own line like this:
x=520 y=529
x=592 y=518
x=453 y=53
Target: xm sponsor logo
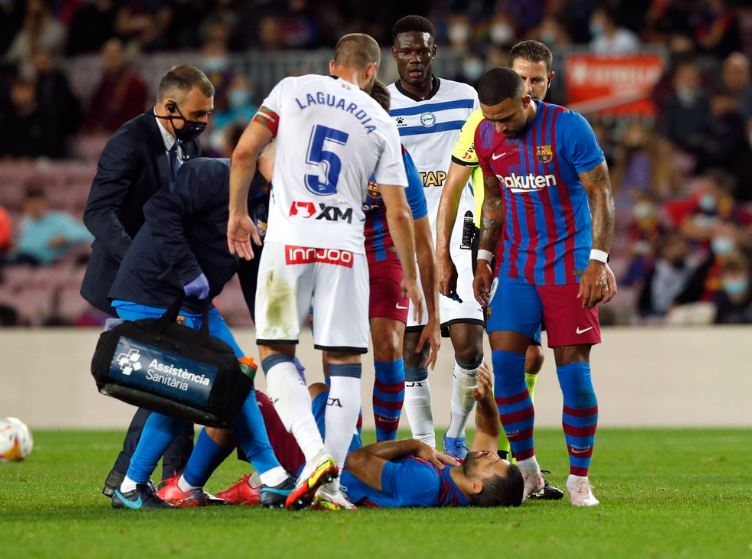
x=320 y=211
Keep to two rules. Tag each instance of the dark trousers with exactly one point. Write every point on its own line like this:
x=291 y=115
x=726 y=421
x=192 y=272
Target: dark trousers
x=176 y=455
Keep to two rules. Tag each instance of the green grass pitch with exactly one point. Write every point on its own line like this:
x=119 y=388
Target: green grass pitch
x=664 y=493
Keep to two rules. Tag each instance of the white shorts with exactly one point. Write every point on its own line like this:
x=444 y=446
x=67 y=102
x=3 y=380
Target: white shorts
x=451 y=311
x=291 y=279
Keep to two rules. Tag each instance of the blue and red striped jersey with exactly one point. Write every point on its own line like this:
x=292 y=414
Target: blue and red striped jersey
x=378 y=242
x=406 y=482
x=547 y=233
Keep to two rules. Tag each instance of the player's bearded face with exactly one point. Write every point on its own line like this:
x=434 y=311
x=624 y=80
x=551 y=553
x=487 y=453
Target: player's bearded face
x=413 y=52
x=482 y=463
x=535 y=77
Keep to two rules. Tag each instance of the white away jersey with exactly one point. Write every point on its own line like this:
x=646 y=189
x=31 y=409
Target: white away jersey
x=331 y=137
x=429 y=128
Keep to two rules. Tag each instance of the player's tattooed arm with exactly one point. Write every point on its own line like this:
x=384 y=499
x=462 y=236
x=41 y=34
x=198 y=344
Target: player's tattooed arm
x=597 y=283
x=493 y=215
x=490 y=233
x=598 y=187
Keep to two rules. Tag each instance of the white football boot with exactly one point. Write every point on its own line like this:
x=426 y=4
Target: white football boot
x=580 y=492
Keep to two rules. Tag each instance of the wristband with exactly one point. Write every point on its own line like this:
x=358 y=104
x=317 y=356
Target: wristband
x=599 y=255
x=485 y=255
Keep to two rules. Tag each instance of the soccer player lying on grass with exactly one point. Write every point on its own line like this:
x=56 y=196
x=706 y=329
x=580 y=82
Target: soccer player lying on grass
x=410 y=473
x=405 y=473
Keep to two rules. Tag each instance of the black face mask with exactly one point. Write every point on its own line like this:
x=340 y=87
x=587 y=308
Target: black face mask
x=191 y=128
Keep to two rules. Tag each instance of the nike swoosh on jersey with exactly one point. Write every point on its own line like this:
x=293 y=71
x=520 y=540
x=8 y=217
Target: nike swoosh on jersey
x=401 y=307
x=582 y=331
x=495 y=157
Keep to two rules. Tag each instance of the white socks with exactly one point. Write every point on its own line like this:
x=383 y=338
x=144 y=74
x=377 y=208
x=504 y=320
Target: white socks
x=418 y=405
x=342 y=410
x=127 y=485
x=273 y=477
x=292 y=403
x=463 y=383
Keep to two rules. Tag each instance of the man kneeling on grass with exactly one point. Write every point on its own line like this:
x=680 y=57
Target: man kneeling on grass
x=405 y=473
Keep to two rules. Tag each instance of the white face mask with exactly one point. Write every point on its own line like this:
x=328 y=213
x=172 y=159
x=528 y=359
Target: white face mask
x=501 y=33
x=473 y=69
x=458 y=33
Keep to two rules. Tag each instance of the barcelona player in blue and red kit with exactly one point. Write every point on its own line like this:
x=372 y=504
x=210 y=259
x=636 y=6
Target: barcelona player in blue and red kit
x=548 y=217
x=388 y=308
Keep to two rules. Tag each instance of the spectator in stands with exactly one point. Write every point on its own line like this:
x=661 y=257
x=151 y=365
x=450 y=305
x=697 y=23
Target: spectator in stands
x=673 y=270
x=734 y=300
x=705 y=282
x=717 y=28
x=140 y=158
x=608 y=37
x=683 y=115
x=239 y=108
x=144 y=26
x=120 y=94
x=698 y=215
x=645 y=233
x=735 y=76
x=45 y=235
x=722 y=142
x=91 y=25
x=25 y=127
x=642 y=165
x=56 y=99
x=39 y=31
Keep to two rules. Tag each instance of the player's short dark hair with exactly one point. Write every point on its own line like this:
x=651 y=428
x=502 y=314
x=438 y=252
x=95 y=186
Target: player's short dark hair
x=409 y=24
x=501 y=491
x=381 y=95
x=534 y=51
x=181 y=79
x=356 y=50
x=499 y=84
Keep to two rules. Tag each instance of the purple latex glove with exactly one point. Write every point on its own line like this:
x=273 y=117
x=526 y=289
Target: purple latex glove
x=198 y=288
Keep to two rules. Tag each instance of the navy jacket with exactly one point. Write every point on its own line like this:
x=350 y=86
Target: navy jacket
x=132 y=167
x=185 y=234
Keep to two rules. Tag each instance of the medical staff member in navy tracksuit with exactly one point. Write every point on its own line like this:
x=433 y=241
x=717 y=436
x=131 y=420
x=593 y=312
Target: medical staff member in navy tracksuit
x=182 y=250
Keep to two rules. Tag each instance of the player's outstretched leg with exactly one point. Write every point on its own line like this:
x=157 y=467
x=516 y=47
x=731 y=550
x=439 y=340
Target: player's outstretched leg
x=580 y=421
x=292 y=403
x=517 y=414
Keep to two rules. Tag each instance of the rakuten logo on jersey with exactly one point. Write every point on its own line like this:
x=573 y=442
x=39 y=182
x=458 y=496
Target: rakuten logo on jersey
x=527 y=183
x=308 y=255
x=312 y=210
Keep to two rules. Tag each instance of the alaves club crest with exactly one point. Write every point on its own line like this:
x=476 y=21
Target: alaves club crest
x=544 y=153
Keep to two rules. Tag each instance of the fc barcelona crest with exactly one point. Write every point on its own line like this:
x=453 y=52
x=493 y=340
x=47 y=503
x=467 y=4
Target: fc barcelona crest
x=544 y=153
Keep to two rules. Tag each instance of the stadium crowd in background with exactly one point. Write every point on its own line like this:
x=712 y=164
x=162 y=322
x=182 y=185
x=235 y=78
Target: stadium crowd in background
x=682 y=180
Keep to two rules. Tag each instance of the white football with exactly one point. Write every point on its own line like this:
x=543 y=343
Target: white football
x=15 y=440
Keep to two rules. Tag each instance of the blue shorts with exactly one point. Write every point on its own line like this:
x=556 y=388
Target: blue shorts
x=318 y=407
x=217 y=325
x=515 y=307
